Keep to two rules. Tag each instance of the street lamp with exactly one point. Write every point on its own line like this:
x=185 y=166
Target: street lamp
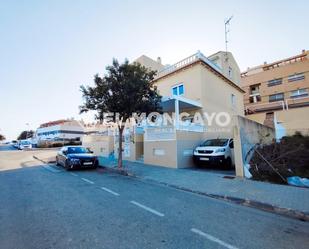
x=27 y=130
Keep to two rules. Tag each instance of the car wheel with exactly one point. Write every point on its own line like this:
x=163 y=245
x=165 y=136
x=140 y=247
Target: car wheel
x=57 y=162
x=228 y=163
x=67 y=165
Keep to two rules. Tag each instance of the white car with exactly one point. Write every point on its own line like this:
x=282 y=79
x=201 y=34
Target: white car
x=24 y=144
x=215 y=152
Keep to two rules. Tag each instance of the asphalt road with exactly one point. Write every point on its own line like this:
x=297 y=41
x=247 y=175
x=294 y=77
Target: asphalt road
x=46 y=207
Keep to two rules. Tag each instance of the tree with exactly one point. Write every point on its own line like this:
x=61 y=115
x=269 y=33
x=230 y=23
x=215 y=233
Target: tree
x=25 y=135
x=2 y=137
x=125 y=89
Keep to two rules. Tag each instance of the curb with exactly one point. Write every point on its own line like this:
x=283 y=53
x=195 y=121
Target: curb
x=43 y=161
x=290 y=213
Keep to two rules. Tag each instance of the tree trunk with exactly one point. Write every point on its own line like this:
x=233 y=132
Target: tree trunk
x=120 y=128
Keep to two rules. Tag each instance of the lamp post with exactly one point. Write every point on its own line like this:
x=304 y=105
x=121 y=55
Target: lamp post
x=27 y=130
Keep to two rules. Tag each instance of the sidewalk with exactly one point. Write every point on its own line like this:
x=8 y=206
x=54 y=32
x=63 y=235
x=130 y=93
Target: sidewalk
x=287 y=200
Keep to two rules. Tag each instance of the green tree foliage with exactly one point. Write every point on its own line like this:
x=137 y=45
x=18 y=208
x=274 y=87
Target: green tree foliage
x=2 y=137
x=125 y=89
x=25 y=135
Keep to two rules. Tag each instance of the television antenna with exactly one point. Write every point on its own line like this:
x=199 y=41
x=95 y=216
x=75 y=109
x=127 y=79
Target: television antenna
x=227 y=30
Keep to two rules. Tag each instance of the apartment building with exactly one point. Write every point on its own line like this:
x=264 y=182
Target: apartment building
x=60 y=129
x=277 y=93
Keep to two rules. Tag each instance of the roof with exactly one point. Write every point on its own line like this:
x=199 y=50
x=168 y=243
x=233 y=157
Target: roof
x=275 y=64
x=194 y=59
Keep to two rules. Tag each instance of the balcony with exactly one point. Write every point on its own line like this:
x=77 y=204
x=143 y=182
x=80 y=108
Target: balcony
x=297 y=101
x=262 y=107
x=187 y=61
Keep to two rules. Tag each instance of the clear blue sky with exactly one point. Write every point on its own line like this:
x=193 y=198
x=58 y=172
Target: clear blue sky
x=49 y=48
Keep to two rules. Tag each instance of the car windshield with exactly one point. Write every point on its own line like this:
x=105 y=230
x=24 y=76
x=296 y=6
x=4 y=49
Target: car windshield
x=215 y=142
x=77 y=150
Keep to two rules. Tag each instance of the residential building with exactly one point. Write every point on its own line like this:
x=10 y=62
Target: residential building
x=60 y=130
x=226 y=62
x=196 y=84
x=277 y=93
x=150 y=63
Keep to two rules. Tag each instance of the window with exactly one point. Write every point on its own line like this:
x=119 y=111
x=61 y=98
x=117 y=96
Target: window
x=255 y=99
x=178 y=90
x=233 y=100
x=295 y=77
x=276 y=97
x=275 y=82
x=230 y=72
x=255 y=89
x=299 y=93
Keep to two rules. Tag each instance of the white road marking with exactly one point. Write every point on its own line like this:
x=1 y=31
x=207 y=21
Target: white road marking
x=86 y=180
x=212 y=238
x=147 y=208
x=51 y=169
x=110 y=191
x=73 y=174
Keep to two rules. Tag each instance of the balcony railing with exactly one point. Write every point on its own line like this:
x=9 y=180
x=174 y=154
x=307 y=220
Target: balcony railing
x=260 y=107
x=187 y=61
x=297 y=101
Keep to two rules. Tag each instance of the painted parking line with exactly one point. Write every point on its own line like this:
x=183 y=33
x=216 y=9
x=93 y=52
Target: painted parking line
x=73 y=174
x=86 y=180
x=212 y=238
x=147 y=208
x=110 y=191
x=51 y=169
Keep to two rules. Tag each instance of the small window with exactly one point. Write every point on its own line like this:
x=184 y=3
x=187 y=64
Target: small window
x=178 y=90
x=233 y=100
x=175 y=91
x=276 y=97
x=299 y=93
x=230 y=72
x=296 y=77
x=275 y=82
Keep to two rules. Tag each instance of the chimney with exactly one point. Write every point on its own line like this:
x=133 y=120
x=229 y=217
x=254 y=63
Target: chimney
x=303 y=51
x=159 y=60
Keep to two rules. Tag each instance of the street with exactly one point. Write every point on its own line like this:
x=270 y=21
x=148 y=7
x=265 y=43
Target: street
x=44 y=206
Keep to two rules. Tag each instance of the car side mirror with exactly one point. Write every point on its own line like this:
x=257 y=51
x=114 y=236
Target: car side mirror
x=90 y=151
x=232 y=145
x=64 y=152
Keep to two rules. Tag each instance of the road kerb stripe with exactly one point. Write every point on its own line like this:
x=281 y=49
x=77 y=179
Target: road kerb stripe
x=86 y=180
x=147 y=208
x=73 y=174
x=212 y=238
x=109 y=191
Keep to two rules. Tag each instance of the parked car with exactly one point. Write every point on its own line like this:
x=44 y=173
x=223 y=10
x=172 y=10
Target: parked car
x=71 y=157
x=215 y=152
x=14 y=143
x=24 y=144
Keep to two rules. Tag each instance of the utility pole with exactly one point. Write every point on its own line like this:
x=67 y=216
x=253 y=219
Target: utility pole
x=226 y=29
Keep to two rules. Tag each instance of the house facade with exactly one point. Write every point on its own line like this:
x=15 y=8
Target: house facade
x=193 y=87
x=277 y=94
